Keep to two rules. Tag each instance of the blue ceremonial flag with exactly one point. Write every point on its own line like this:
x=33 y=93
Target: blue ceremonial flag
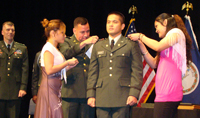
x=148 y=73
x=191 y=87
x=131 y=28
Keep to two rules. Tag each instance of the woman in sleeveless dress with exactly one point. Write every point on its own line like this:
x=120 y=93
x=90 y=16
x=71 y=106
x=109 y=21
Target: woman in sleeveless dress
x=54 y=67
x=171 y=61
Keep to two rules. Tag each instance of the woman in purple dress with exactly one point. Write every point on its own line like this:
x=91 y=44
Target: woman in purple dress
x=54 y=67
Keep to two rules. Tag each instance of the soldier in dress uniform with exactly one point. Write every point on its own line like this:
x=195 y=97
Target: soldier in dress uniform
x=74 y=102
x=13 y=72
x=36 y=76
x=115 y=72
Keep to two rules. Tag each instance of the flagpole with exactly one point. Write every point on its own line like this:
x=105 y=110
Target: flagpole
x=148 y=73
x=195 y=39
x=133 y=10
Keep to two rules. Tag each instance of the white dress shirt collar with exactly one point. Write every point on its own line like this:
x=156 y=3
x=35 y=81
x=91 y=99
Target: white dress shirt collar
x=115 y=39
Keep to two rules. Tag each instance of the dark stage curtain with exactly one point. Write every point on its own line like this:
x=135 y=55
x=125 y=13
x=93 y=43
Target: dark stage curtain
x=27 y=14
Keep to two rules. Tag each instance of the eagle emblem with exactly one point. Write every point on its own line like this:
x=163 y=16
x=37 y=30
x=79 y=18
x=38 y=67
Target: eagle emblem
x=187 y=6
x=132 y=9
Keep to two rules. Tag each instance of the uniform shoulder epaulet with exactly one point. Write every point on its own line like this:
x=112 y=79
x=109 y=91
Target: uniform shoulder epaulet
x=103 y=39
x=21 y=44
x=68 y=37
x=100 y=40
x=127 y=38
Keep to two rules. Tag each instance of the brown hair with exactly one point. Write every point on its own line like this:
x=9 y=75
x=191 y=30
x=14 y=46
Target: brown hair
x=175 y=21
x=54 y=24
x=80 y=20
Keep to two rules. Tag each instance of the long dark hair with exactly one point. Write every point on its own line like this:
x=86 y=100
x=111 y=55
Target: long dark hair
x=175 y=21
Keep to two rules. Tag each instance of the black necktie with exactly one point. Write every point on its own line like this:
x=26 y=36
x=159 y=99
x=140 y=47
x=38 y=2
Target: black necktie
x=112 y=43
x=8 y=47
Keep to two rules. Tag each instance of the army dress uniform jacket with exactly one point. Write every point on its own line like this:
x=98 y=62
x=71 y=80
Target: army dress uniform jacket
x=114 y=74
x=36 y=74
x=14 y=68
x=77 y=76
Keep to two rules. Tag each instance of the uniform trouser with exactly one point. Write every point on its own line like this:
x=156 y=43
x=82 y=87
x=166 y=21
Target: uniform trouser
x=77 y=108
x=9 y=108
x=165 y=109
x=113 y=112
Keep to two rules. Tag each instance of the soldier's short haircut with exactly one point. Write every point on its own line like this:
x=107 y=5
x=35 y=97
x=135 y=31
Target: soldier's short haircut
x=80 y=20
x=8 y=23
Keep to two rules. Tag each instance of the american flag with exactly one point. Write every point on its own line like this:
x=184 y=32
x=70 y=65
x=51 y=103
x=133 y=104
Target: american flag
x=148 y=73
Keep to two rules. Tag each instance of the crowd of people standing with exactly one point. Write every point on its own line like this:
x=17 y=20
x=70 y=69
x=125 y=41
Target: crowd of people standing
x=71 y=81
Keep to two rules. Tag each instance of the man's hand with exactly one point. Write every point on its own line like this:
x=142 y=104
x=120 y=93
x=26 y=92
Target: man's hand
x=91 y=102
x=91 y=40
x=34 y=98
x=21 y=93
x=131 y=100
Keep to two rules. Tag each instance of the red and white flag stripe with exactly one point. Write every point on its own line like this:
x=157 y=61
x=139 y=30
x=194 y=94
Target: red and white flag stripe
x=148 y=83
